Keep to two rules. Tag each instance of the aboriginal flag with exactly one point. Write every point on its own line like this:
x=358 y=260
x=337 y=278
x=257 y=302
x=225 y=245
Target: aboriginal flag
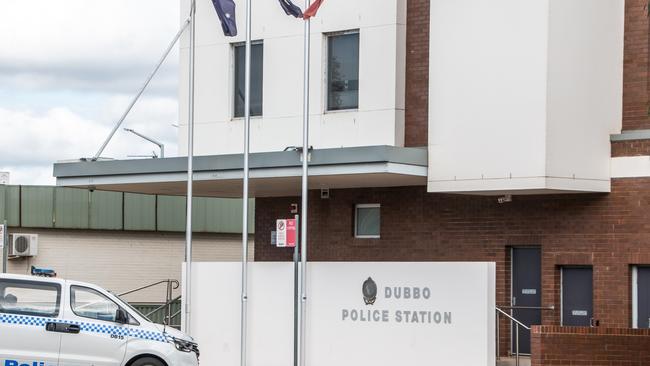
x=313 y=9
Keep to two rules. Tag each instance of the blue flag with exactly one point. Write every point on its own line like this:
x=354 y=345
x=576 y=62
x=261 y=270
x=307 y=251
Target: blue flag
x=226 y=12
x=290 y=8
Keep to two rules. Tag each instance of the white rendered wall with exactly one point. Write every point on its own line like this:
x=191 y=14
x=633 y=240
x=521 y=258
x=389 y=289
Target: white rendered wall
x=585 y=88
x=524 y=94
x=379 y=119
x=331 y=336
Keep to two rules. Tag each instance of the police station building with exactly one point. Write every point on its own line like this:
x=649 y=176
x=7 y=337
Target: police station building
x=506 y=131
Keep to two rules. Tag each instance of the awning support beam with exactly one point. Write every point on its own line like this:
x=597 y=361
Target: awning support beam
x=117 y=126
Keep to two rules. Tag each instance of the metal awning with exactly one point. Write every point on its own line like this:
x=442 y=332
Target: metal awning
x=273 y=174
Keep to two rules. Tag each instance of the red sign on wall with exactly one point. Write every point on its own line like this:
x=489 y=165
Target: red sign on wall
x=286 y=233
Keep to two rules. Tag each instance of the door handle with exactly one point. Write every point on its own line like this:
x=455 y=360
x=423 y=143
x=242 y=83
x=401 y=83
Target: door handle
x=63 y=328
x=73 y=329
x=594 y=323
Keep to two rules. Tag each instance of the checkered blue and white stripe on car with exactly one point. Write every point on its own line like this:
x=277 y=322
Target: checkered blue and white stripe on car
x=85 y=327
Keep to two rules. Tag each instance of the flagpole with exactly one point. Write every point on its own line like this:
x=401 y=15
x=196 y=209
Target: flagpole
x=247 y=122
x=305 y=188
x=190 y=173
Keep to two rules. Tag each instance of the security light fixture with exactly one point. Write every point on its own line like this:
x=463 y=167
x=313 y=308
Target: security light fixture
x=325 y=193
x=505 y=199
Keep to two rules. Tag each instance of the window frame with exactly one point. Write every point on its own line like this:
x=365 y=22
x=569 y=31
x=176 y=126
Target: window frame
x=326 y=83
x=27 y=284
x=233 y=103
x=73 y=298
x=356 y=220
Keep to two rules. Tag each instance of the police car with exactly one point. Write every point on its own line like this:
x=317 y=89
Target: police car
x=50 y=322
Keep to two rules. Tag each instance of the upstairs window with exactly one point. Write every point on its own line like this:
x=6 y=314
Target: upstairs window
x=257 y=73
x=343 y=71
x=367 y=221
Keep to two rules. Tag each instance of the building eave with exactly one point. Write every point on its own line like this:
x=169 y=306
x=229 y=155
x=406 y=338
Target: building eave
x=272 y=173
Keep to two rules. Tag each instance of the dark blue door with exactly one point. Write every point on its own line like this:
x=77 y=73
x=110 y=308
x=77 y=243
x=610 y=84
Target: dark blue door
x=577 y=296
x=526 y=293
x=643 y=294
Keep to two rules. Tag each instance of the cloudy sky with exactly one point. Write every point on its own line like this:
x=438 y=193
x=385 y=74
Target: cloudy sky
x=68 y=69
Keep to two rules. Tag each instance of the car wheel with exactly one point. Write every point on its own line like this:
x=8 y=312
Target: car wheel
x=147 y=361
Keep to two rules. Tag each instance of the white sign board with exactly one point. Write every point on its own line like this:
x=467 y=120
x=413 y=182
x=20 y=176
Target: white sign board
x=2 y=237
x=358 y=313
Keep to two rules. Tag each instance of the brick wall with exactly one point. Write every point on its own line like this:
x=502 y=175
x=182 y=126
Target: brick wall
x=635 y=76
x=559 y=346
x=631 y=148
x=417 y=73
x=608 y=231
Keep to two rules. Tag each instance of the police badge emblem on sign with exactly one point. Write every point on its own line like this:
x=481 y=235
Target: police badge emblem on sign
x=369 y=290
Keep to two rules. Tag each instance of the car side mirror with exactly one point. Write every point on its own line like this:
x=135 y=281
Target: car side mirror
x=121 y=316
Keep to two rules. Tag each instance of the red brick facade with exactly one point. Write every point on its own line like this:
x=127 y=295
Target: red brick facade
x=417 y=73
x=635 y=76
x=607 y=231
x=566 y=346
x=631 y=148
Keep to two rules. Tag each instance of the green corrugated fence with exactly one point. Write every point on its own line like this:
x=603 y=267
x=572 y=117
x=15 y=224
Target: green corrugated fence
x=71 y=208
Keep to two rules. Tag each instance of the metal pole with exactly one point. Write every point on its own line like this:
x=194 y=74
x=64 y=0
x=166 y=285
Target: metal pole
x=247 y=137
x=497 y=327
x=190 y=175
x=142 y=89
x=170 y=295
x=305 y=191
x=5 y=247
x=296 y=295
x=517 y=345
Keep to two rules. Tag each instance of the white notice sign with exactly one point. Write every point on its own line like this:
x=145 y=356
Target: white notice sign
x=281 y=233
x=2 y=236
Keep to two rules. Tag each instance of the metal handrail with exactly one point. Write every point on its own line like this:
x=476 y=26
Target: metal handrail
x=171 y=286
x=518 y=325
x=163 y=306
x=513 y=319
x=545 y=308
x=175 y=284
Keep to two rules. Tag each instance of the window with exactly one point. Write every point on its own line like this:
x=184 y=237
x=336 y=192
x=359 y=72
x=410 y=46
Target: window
x=257 y=74
x=343 y=71
x=30 y=298
x=88 y=303
x=367 y=221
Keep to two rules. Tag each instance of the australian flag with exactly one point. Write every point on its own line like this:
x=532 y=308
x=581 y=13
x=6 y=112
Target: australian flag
x=290 y=8
x=226 y=12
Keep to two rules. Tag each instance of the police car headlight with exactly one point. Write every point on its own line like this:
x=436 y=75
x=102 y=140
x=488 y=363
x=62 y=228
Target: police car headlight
x=185 y=346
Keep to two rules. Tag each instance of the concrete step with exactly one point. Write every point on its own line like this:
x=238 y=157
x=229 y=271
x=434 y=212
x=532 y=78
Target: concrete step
x=511 y=361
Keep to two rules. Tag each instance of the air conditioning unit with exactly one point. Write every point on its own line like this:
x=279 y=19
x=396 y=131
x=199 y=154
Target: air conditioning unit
x=23 y=245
